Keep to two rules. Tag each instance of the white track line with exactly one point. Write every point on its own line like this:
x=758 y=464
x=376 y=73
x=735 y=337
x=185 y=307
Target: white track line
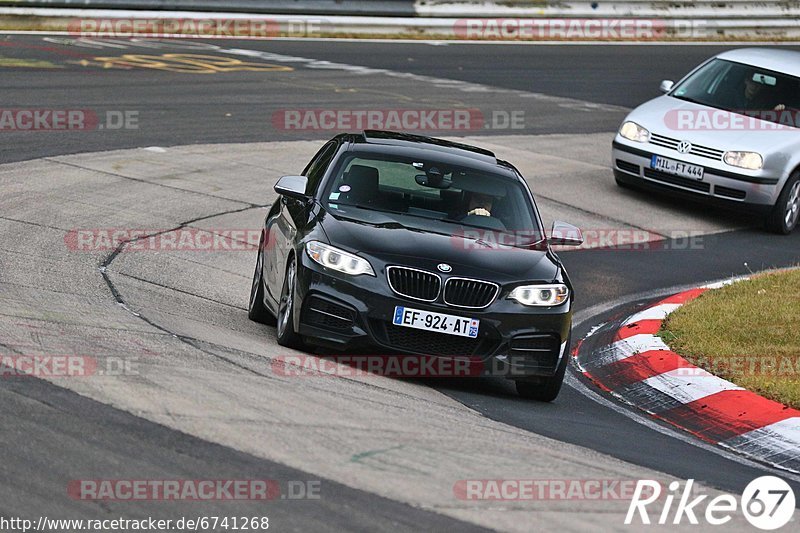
x=657 y=312
x=687 y=389
x=625 y=348
x=776 y=442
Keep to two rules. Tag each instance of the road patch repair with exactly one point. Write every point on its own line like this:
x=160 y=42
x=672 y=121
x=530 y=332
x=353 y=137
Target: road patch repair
x=628 y=359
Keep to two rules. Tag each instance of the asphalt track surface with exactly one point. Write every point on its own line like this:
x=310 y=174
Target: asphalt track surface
x=238 y=106
x=177 y=109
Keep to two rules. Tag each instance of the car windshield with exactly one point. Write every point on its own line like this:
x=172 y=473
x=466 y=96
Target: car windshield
x=433 y=196
x=743 y=89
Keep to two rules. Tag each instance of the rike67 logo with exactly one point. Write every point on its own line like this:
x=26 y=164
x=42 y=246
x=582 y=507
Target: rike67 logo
x=767 y=503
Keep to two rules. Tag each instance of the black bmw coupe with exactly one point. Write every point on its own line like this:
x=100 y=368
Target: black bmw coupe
x=405 y=244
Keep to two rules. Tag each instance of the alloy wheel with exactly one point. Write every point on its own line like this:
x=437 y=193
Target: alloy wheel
x=287 y=299
x=793 y=206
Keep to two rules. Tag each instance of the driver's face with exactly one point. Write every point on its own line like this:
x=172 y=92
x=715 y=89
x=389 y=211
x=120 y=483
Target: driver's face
x=480 y=200
x=751 y=88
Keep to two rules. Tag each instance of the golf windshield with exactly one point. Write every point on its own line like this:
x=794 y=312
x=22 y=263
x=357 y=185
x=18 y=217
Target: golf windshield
x=743 y=89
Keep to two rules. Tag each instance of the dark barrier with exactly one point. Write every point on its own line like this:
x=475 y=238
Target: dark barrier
x=316 y=7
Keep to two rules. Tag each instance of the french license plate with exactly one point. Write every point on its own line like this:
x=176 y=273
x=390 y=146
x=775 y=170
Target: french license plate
x=676 y=168
x=438 y=322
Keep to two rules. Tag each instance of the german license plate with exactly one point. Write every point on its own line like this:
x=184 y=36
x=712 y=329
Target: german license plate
x=676 y=168
x=438 y=322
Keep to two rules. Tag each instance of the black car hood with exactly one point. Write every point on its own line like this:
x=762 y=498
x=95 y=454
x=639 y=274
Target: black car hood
x=383 y=236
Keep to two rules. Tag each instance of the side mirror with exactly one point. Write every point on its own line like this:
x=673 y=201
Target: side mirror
x=564 y=234
x=666 y=86
x=293 y=187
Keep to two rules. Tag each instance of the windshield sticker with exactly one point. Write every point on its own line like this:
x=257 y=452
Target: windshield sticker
x=344 y=188
x=334 y=196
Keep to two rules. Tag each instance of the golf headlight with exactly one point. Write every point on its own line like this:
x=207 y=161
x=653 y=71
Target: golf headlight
x=634 y=132
x=339 y=260
x=748 y=160
x=541 y=295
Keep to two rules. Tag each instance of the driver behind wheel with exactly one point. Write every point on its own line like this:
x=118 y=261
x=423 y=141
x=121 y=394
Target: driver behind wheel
x=480 y=205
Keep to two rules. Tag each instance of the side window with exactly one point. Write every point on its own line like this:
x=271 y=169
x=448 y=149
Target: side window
x=316 y=169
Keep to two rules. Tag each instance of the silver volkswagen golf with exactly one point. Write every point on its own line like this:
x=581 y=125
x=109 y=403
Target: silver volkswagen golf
x=728 y=132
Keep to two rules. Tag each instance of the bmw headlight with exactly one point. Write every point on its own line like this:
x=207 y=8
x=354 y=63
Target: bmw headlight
x=541 y=295
x=748 y=160
x=634 y=132
x=339 y=260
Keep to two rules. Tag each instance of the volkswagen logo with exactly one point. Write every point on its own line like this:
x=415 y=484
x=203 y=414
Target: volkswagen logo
x=444 y=267
x=684 y=147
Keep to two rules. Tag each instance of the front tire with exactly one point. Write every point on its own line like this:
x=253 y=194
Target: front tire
x=286 y=334
x=784 y=216
x=544 y=389
x=256 y=310
x=622 y=184
x=625 y=181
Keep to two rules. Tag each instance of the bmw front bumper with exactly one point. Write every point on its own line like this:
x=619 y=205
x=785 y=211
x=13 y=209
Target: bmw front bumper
x=353 y=315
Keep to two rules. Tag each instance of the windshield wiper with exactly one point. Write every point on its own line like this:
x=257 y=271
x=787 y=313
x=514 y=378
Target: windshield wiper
x=707 y=104
x=692 y=100
x=367 y=208
x=518 y=244
x=360 y=206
